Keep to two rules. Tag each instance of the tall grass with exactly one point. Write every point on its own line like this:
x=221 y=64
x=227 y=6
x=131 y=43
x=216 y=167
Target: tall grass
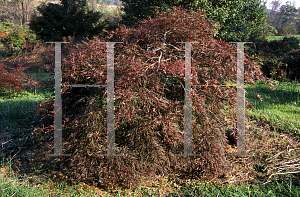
x=18 y=109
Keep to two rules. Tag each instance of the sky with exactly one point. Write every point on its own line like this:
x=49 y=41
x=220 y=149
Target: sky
x=283 y=2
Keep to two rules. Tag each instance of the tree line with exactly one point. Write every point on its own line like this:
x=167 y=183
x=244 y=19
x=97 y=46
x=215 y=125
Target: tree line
x=284 y=19
x=237 y=20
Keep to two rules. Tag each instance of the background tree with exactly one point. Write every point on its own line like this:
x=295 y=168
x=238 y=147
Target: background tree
x=284 y=18
x=139 y=9
x=298 y=21
x=55 y=21
x=288 y=14
x=273 y=16
x=14 y=31
x=18 y=11
x=238 y=20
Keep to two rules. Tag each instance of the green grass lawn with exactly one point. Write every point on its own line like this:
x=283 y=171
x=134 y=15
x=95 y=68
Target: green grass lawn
x=18 y=186
x=17 y=110
x=270 y=38
x=280 y=107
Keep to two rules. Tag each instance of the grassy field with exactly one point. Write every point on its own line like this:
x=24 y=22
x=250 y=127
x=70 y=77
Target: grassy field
x=270 y=38
x=13 y=187
x=278 y=106
x=20 y=107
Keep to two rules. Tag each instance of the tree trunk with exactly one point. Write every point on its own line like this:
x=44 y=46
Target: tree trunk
x=23 y=12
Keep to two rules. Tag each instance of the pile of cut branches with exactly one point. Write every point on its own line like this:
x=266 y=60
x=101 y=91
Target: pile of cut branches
x=149 y=100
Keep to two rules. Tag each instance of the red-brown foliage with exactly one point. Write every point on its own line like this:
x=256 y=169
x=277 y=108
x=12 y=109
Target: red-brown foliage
x=14 y=78
x=148 y=107
x=2 y=34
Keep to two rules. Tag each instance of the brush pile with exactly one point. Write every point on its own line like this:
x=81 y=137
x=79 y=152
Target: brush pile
x=149 y=100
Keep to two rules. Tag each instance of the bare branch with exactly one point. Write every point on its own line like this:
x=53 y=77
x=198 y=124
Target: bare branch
x=284 y=173
x=159 y=58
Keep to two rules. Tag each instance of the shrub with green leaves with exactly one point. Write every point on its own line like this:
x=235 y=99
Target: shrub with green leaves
x=237 y=20
x=274 y=68
x=292 y=59
x=276 y=47
x=13 y=38
x=273 y=56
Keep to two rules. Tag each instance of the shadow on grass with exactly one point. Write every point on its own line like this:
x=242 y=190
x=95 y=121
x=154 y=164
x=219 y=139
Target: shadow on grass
x=277 y=105
x=270 y=97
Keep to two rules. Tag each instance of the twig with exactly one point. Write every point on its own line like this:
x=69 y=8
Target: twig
x=225 y=182
x=288 y=162
x=159 y=58
x=151 y=59
x=174 y=47
x=6 y=142
x=156 y=50
x=165 y=36
x=275 y=155
x=288 y=166
x=284 y=173
x=291 y=184
x=14 y=155
x=211 y=180
x=267 y=182
x=249 y=190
